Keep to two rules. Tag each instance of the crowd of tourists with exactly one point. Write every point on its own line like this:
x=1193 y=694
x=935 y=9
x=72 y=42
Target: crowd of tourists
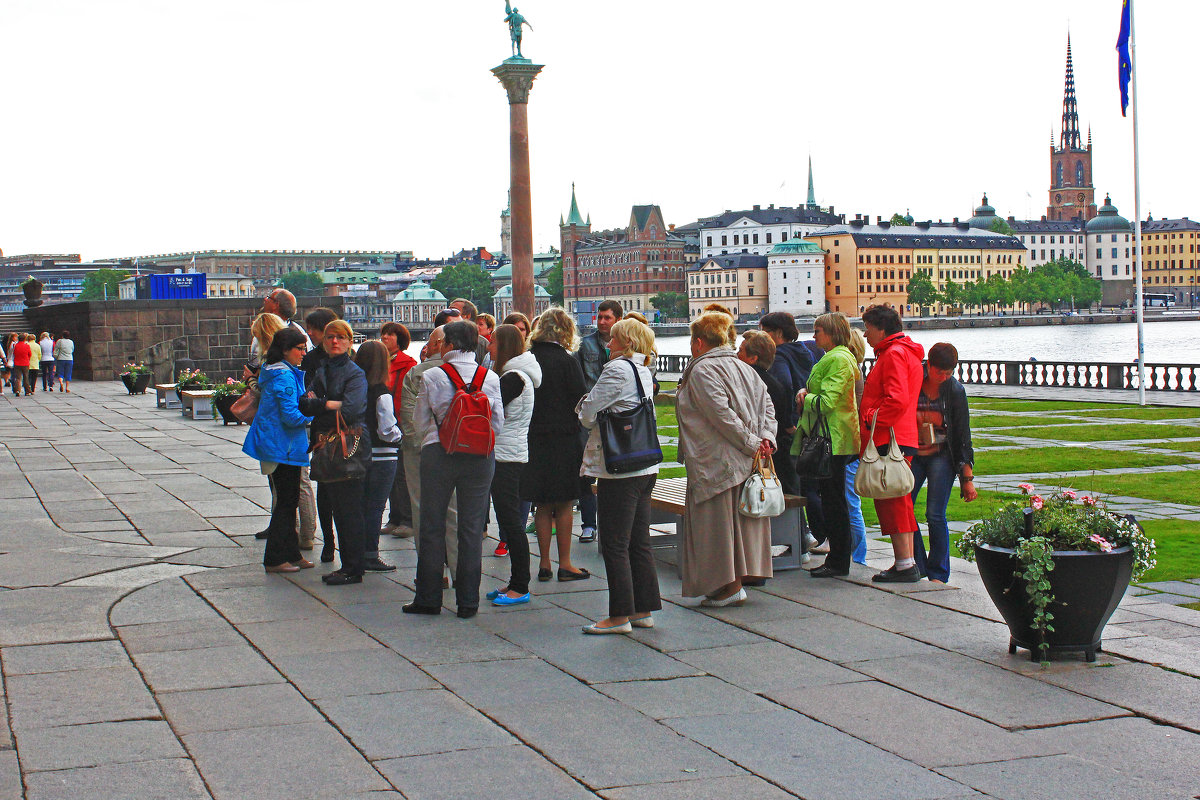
x=24 y=357
x=505 y=418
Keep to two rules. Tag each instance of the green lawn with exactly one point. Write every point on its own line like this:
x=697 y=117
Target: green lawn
x=1104 y=433
x=1156 y=412
x=1178 y=543
x=1009 y=421
x=957 y=511
x=670 y=452
x=1066 y=459
x=1000 y=404
x=1191 y=447
x=1165 y=487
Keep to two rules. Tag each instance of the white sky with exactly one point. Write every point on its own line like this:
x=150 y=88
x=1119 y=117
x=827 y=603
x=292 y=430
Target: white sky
x=134 y=127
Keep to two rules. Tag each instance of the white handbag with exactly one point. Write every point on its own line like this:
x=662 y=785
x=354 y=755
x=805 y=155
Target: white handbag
x=881 y=478
x=762 y=493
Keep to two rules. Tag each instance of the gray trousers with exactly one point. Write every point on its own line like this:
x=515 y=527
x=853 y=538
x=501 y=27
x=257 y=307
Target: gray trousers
x=442 y=475
x=412 y=471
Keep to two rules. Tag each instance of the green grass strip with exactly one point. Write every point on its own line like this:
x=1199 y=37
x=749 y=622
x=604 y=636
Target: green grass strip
x=1178 y=543
x=1066 y=459
x=1103 y=433
x=1165 y=487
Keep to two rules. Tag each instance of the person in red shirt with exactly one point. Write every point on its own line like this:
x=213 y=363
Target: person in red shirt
x=20 y=358
x=396 y=339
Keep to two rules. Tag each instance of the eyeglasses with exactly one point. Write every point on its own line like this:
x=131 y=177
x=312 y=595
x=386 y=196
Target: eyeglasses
x=303 y=347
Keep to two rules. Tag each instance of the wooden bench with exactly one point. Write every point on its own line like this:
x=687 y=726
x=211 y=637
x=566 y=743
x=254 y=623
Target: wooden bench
x=165 y=396
x=197 y=403
x=668 y=504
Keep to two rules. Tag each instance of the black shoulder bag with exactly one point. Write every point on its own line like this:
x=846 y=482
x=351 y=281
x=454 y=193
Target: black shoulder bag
x=630 y=438
x=815 y=459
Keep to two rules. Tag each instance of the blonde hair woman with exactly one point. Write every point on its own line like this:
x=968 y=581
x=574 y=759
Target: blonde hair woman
x=263 y=329
x=725 y=418
x=551 y=480
x=623 y=500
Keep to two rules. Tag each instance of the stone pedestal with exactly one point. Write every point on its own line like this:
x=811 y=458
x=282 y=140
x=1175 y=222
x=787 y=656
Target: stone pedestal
x=517 y=75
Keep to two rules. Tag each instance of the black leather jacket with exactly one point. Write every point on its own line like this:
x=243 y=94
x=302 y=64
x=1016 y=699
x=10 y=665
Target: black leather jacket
x=337 y=378
x=958 y=424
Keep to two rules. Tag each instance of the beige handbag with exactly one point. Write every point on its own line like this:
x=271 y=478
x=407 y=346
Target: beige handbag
x=762 y=493
x=882 y=477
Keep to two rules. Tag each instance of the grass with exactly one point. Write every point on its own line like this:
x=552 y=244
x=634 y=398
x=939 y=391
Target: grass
x=1066 y=459
x=1191 y=447
x=670 y=452
x=1157 y=412
x=1105 y=433
x=1005 y=421
x=1165 y=487
x=1178 y=543
x=957 y=511
x=999 y=404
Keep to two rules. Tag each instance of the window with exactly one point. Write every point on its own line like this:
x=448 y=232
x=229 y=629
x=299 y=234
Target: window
x=709 y=239
x=1114 y=252
x=724 y=240
x=1099 y=251
x=735 y=239
x=768 y=237
x=756 y=238
x=783 y=237
x=837 y=258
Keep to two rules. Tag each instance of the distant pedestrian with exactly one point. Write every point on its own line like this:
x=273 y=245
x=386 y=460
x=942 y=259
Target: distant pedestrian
x=35 y=361
x=64 y=361
x=47 y=347
x=396 y=339
x=9 y=341
x=21 y=354
x=593 y=354
x=372 y=357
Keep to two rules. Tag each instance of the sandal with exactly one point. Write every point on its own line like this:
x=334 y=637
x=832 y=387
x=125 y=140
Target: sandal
x=582 y=575
x=545 y=574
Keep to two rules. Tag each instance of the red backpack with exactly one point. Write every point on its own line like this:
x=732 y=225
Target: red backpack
x=467 y=426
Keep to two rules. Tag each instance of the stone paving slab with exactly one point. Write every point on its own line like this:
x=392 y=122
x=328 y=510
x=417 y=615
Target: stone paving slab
x=94 y=744
x=473 y=774
x=165 y=779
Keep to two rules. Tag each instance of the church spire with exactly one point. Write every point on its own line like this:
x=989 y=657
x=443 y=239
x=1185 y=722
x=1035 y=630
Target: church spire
x=574 y=218
x=812 y=194
x=1070 y=138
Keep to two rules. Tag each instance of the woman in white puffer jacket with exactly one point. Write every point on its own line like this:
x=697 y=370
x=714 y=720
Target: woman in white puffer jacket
x=520 y=374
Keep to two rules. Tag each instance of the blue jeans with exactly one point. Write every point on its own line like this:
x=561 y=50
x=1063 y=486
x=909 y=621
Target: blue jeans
x=381 y=475
x=938 y=470
x=858 y=529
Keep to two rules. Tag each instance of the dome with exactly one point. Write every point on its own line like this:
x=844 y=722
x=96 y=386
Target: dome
x=795 y=246
x=908 y=218
x=420 y=291
x=506 y=291
x=985 y=215
x=1107 y=220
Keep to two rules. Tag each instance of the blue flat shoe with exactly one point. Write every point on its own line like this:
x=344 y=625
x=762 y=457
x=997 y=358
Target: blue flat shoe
x=494 y=593
x=505 y=600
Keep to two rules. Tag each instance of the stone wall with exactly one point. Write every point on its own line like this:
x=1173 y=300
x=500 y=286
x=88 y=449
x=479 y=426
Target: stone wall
x=210 y=334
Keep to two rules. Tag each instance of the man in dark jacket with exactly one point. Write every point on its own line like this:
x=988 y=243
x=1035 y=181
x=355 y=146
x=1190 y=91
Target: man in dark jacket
x=593 y=355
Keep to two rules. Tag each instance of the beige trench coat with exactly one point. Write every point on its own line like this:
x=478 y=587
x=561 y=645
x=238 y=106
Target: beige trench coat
x=724 y=414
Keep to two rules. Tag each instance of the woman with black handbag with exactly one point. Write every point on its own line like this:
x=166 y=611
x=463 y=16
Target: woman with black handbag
x=622 y=452
x=830 y=440
x=337 y=399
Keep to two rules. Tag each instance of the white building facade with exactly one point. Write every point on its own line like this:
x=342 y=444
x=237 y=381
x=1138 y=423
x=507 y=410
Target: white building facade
x=796 y=278
x=502 y=301
x=417 y=305
x=758 y=230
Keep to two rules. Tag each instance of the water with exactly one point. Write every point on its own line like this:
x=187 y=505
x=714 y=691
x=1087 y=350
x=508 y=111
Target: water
x=1166 y=342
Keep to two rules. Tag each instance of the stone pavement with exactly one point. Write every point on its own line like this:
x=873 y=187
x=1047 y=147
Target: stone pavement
x=145 y=654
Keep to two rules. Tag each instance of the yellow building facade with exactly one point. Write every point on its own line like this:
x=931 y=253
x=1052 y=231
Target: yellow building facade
x=738 y=282
x=1170 y=251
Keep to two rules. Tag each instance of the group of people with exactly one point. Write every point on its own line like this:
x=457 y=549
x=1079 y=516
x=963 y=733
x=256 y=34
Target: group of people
x=23 y=357
x=545 y=391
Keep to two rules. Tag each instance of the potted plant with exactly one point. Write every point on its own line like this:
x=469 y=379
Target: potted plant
x=136 y=377
x=32 y=288
x=1056 y=568
x=189 y=379
x=224 y=396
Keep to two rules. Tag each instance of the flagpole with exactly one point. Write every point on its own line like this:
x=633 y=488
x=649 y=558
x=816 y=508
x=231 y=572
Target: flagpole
x=1137 y=215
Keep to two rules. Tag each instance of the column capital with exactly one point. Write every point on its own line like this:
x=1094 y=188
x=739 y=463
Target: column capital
x=517 y=75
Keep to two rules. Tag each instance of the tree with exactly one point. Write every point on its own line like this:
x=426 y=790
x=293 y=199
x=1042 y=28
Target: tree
x=951 y=294
x=899 y=219
x=1000 y=226
x=673 y=305
x=921 y=292
x=466 y=280
x=102 y=284
x=554 y=284
x=302 y=284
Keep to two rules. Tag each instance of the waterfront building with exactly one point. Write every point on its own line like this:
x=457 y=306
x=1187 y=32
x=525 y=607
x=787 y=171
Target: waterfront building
x=1072 y=195
x=339 y=281
x=230 y=285
x=416 y=306
x=503 y=304
x=630 y=264
x=265 y=266
x=1109 y=254
x=61 y=276
x=757 y=230
x=542 y=264
x=1048 y=240
x=1170 y=249
x=366 y=312
x=796 y=278
x=869 y=265
x=738 y=282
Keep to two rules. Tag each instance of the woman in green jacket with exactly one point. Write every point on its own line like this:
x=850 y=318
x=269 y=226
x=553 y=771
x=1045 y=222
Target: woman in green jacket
x=830 y=393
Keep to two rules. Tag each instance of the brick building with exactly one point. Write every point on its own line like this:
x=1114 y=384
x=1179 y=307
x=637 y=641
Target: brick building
x=630 y=264
x=1072 y=195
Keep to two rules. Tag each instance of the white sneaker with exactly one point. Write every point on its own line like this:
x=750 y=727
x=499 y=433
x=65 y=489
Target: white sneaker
x=587 y=534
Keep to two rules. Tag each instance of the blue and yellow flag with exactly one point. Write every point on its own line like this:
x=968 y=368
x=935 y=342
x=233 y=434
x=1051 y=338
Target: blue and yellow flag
x=1124 y=62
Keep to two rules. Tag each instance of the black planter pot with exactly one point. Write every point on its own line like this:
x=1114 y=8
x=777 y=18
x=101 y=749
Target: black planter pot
x=136 y=384
x=1086 y=585
x=33 y=293
x=224 y=406
x=180 y=389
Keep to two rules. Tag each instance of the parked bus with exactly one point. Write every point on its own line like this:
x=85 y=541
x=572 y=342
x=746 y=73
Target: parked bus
x=1158 y=300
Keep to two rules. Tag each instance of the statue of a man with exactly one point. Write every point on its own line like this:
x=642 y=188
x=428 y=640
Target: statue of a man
x=515 y=22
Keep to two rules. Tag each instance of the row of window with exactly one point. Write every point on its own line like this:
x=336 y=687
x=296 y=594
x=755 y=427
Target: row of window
x=1146 y=249
x=726 y=291
x=1172 y=264
x=881 y=288
x=744 y=238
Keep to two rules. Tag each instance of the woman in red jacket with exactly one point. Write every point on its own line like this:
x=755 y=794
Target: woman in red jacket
x=396 y=339
x=20 y=365
x=891 y=393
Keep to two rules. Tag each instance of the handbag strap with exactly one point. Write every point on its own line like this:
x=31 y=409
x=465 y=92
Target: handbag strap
x=637 y=376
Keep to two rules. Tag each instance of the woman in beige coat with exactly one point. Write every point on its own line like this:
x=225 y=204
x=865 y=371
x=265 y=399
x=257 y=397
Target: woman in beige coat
x=725 y=417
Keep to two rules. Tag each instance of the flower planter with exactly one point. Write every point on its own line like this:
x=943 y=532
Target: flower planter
x=1086 y=585
x=183 y=387
x=33 y=293
x=136 y=384
x=224 y=406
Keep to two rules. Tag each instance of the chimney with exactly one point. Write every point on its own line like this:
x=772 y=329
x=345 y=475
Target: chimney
x=923 y=225
x=857 y=223
x=771 y=207
x=878 y=220
x=955 y=222
x=885 y=225
x=858 y=216
x=757 y=207
x=671 y=227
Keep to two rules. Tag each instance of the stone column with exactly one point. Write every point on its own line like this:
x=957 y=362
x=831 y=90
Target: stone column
x=517 y=75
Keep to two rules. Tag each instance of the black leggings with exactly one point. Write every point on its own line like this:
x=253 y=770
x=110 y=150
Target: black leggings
x=283 y=542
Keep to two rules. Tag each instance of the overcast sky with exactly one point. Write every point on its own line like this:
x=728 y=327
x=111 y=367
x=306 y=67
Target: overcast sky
x=134 y=127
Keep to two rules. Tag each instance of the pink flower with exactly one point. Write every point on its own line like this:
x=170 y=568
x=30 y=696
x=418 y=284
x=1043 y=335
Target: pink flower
x=1069 y=494
x=1088 y=500
x=1026 y=488
x=1036 y=502
x=1104 y=544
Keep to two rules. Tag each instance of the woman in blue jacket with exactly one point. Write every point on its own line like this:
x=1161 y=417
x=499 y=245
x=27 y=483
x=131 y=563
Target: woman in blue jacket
x=278 y=440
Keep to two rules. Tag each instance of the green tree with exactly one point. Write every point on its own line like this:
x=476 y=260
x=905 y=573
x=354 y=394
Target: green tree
x=673 y=305
x=554 y=284
x=302 y=284
x=1000 y=291
x=1000 y=226
x=921 y=291
x=951 y=294
x=899 y=219
x=466 y=280
x=101 y=284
